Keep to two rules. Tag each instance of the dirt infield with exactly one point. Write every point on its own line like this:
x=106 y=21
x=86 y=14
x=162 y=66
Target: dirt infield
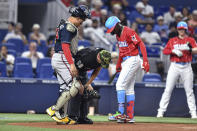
x=112 y=126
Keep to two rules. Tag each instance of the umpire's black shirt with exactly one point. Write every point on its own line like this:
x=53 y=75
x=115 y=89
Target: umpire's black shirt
x=86 y=59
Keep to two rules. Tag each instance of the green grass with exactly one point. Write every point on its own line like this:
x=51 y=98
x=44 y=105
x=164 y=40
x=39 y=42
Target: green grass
x=12 y=117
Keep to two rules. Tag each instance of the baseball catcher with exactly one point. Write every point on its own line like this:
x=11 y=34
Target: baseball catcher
x=62 y=62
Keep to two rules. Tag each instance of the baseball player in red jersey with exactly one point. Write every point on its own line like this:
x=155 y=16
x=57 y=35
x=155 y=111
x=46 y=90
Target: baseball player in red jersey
x=128 y=64
x=180 y=49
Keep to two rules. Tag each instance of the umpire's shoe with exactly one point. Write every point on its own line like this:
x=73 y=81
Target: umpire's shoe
x=84 y=121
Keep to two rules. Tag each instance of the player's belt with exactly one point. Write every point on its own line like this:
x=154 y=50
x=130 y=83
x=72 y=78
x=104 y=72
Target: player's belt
x=61 y=52
x=126 y=57
x=182 y=63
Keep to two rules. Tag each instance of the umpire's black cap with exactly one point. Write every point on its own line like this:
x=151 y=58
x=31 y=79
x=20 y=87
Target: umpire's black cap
x=81 y=11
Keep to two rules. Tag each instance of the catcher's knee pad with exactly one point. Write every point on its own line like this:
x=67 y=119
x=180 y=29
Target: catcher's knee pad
x=75 y=87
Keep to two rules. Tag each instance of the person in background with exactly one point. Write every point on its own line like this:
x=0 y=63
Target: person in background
x=169 y=16
x=33 y=54
x=36 y=35
x=148 y=11
x=122 y=3
x=15 y=33
x=82 y=2
x=112 y=65
x=137 y=16
x=186 y=14
x=124 y=20
x=11 y=27
x=178 y=17
x=50 y=52
x=19 y=27
x=51 y=37
x=149 y=37
x=192 y=23
x=8 y=58
x=173 y=32
x=96 y=11
x=134 y=26
x=93 y=32
x=161 y=28
x=116 y=10
x=103 y=18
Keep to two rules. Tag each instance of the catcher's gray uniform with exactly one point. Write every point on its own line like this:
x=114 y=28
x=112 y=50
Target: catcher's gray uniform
x=59 y=61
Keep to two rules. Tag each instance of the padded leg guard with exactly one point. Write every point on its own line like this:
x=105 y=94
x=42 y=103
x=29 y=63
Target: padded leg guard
x=66 y=95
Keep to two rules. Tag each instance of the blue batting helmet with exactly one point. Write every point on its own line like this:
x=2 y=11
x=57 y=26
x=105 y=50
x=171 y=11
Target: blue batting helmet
x=111 y=23
x=182 y=25
x=81 y=11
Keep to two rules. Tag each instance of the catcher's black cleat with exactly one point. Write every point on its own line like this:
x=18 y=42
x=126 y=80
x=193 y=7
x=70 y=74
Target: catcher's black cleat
x=84 y=121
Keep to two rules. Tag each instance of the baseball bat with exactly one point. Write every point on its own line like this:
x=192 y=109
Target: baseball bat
x=112 y=78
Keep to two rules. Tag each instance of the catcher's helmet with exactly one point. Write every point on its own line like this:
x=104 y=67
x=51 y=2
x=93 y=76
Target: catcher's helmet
x=105 y=57
x=182 y=25
x=111 y=23
x=81 y=11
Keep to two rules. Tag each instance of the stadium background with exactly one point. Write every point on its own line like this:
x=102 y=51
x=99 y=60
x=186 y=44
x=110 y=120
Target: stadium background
x=19 y=93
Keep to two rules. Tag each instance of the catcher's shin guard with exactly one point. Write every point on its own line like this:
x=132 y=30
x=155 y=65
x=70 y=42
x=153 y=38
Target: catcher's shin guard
x=66 y=95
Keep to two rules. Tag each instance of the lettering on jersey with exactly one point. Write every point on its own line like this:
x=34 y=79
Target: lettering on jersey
x=122 y=44
x=80 y=64
x=181 y=46
x=133 y=38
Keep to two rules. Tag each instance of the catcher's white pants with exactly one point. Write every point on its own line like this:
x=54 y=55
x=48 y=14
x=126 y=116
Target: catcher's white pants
x=126 y=79
x=62 y=68
x=186 y=74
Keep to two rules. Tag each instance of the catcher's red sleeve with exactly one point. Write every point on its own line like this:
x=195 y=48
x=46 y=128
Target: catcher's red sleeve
x=67 y=53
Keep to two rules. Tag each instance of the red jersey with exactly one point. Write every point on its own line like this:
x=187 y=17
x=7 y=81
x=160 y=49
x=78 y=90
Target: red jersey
x=129 y=42
x=180 y=44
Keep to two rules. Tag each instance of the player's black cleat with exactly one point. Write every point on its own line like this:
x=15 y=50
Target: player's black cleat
x=84 y=121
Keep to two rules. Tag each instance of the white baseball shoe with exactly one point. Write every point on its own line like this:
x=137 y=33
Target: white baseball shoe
x=193 y=115
x=160 y=114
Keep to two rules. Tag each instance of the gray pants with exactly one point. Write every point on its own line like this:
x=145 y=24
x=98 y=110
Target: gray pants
x=62 y=68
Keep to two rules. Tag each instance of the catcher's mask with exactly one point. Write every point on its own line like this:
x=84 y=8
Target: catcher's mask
x=105 y=57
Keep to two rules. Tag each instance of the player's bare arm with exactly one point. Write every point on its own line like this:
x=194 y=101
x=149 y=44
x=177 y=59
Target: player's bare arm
x=93 y=76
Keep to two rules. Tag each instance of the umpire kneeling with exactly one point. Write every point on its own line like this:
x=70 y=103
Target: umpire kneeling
x=87 y=59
